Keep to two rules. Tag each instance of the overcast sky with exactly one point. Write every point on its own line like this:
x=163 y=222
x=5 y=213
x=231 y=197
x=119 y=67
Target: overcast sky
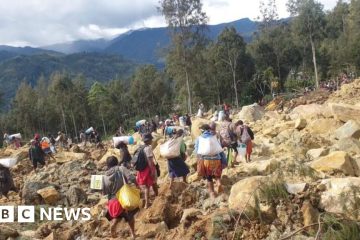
x=43 y=22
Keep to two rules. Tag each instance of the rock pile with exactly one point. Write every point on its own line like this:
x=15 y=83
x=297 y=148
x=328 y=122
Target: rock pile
x=305 y=167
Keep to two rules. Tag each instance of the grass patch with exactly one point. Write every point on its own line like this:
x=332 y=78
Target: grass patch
x=273 y=191
x=335 y=229
x=351 y=202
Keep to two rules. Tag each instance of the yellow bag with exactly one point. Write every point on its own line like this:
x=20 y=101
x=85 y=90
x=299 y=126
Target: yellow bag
x=129 y=197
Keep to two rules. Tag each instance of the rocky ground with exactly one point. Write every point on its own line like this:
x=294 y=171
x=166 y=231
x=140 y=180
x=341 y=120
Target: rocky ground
x=303 y=182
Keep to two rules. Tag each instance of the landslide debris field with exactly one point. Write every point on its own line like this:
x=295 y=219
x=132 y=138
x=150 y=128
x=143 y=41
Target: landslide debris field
x=303 y=182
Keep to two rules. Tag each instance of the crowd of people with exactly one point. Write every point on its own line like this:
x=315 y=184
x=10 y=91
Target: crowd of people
x=215 y=150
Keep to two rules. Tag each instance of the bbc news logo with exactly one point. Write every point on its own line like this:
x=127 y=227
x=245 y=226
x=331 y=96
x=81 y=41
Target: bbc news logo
x=26 y=214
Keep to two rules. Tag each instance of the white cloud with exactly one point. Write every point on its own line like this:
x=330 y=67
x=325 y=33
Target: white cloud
x=43 y=22
x=93 y=31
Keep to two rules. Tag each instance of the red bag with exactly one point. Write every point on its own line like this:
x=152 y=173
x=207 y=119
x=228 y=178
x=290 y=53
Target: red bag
x=114 y=208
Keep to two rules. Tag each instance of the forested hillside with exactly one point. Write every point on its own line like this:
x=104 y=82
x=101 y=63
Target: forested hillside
x=313 y=49
x=29 y=68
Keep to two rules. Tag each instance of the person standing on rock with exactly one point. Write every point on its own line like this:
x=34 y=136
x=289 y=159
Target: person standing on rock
x=36 y=154
x=210 y=165
x=246 y=137
x=112 y=183
x=147 y=177
x=177 y=166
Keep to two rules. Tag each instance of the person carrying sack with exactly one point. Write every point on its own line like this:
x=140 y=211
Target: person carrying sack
x=211 y=159
x=144 y=162
x=45 y=146
x=246 y=137
x=113 y=180
x=176 y=165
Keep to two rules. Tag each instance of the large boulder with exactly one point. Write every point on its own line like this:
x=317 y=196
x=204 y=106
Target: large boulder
x=75 y=196
x=345 y=112
x=276 y=129
x=295 y=188
x=348 y=130
x=335 y=162
x=150 y=230
x=349 y=145
x=309 y=111
x=49 y=194
x=8 y=233
x=262 y=167
x=251 y=113
x=309 y=213
x=63 y=157
x=110 y=152
x=300 y=123
x=97 y=154
x=339 y=195
x=243 y=190
x=196 y=124
x=313 y=154
x=29 y=192
x=20 y=154
x=323 y=125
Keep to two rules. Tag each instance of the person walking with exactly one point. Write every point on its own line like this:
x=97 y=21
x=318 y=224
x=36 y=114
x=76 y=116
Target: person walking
x=45 y=146
x=246 y=137
x=210 y=165
x=176 y=166
x=147 y=177
x=113 y=180
x=36 y=154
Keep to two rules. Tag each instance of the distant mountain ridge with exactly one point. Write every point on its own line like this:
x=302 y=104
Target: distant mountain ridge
x=28 y=50
x=99 y=59
x=145 y=45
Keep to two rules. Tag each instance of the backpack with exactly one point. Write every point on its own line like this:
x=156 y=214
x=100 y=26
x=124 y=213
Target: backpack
x=225 y=136
x=139 y=159
x=245 y=137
